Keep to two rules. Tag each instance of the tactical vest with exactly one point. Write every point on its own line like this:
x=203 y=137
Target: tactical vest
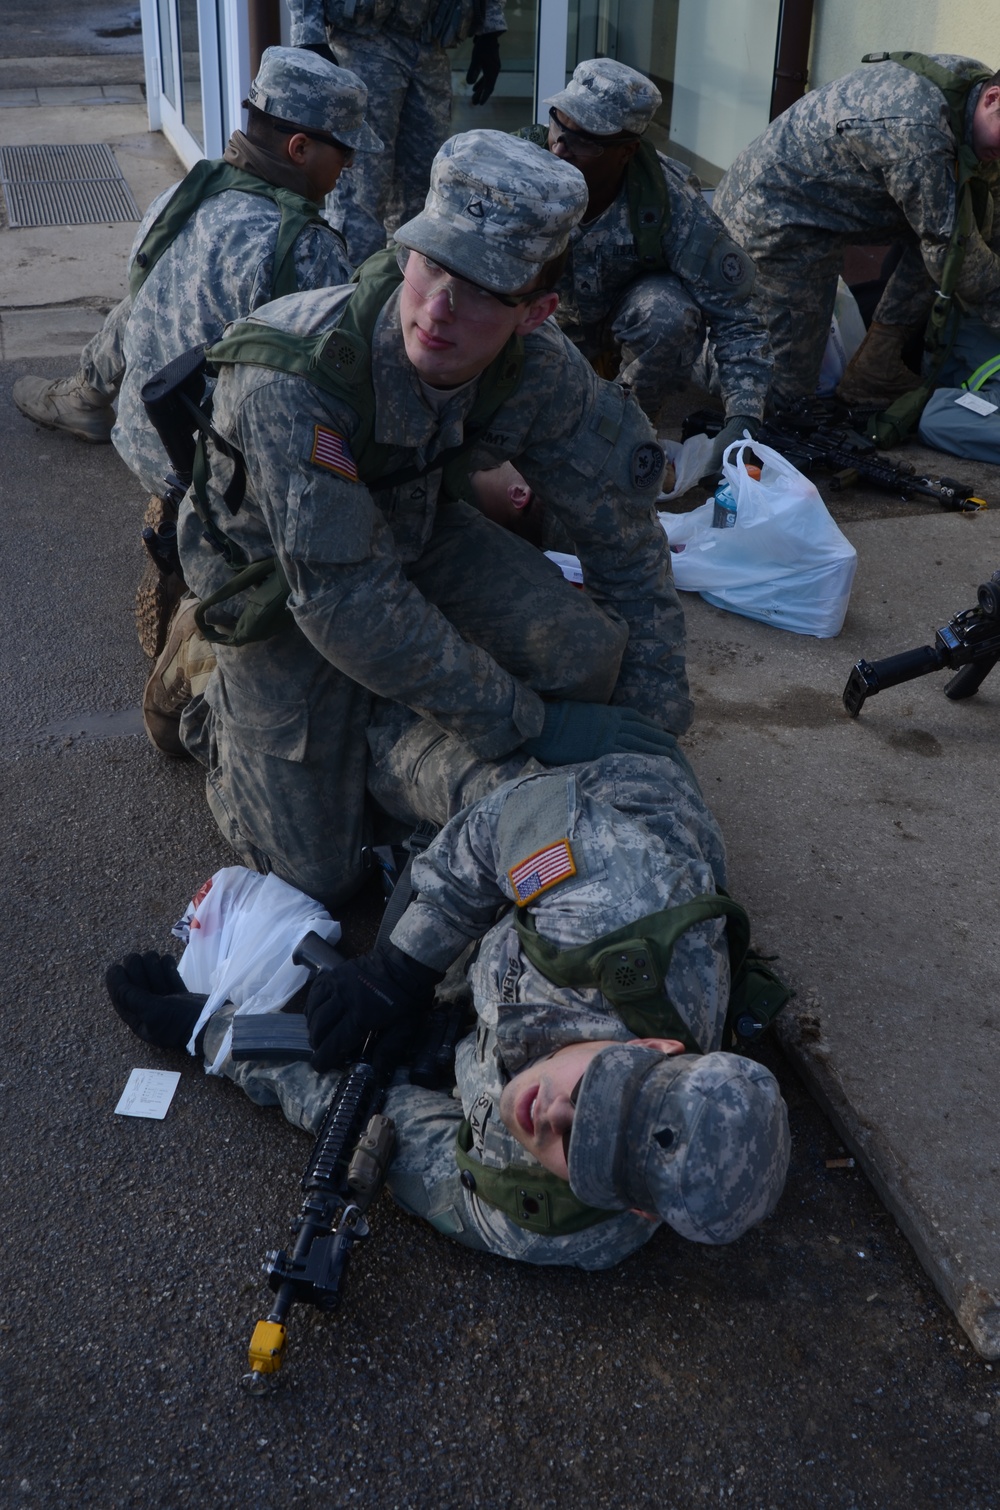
x=206 y=179
x=648 y=200
x=630 y=968
x=973 y=211
x=339 y=363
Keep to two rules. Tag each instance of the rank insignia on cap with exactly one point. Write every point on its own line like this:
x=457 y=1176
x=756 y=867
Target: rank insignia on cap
x=539 y=871
x=331 y=450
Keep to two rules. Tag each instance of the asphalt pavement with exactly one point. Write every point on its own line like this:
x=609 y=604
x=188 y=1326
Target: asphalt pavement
x=816 y=1362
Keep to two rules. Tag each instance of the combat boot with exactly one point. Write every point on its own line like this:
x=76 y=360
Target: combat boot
x=181 y=672
x=159 y=591
x=67 y=404
x=876 y=375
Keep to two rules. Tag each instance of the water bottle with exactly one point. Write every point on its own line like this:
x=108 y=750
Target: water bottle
x=724 y=513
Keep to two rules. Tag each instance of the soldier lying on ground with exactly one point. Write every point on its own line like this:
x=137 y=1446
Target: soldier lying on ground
x=615 y=1117
x=651 y=271
x=879 y=155
x=401 y=595
x=231 y=235
x=400 y=49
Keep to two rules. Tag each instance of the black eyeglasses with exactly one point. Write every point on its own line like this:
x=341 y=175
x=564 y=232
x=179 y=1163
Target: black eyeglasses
x=574 y=1093
x=581 y=143
x=288 y=129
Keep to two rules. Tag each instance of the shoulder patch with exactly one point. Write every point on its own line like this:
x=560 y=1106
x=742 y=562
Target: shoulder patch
x=542 y=870
x=647 y=464
x=733 y=267
x=331 y=451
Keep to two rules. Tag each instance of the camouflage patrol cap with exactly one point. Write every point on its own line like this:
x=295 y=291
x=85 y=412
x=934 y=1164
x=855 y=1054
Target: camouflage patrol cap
x=605 y=97
x=497 y=209
x=701 y=1140
x=299 y=86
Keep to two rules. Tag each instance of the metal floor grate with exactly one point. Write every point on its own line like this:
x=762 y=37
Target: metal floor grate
x=75 y=185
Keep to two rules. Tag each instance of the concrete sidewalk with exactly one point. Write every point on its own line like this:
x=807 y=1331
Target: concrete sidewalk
x=865 y=851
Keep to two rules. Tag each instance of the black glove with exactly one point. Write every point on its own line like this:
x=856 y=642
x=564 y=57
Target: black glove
x=585 y=731
x=382 y=992
x=732 y=430
x=485 y=65
x=321 y=49
x=147 y=992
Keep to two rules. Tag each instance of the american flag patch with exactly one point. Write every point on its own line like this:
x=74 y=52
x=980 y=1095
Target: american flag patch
x=331 y=450
x=539 y=871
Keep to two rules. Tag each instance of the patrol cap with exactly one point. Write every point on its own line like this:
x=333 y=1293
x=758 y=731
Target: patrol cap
x=701 y=1140
x=605 y=97
x=497 y=210
x=299 y=86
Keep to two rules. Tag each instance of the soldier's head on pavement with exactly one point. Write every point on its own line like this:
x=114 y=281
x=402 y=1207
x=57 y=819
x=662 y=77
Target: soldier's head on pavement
x=986 y=122
x=599 y=119
x=699 y=1141
x=310 y=111
x=481 y=259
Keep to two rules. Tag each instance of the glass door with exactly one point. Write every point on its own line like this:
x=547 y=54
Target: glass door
x=712 y=60
x=184 y=74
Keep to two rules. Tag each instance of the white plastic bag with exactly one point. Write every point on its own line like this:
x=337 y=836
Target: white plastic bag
x=784 y=561
x=690 y=459
x=847 y=331
x=240 y=929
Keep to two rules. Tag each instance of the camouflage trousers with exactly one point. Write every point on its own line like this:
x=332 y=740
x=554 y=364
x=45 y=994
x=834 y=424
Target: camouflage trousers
x=424 y=1177
x=102 y=363
x=409 y=107
x=795 y=293
x=282 y=732
x=650 y=339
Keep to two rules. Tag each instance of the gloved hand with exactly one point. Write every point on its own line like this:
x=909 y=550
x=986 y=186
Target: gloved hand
x=321 y=49
x=485 y=66
x=384 y=991
x=585 y=731
x=732 y=430
x=148 y=994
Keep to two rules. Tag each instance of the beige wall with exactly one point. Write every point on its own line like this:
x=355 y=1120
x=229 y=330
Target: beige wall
x=844 y=30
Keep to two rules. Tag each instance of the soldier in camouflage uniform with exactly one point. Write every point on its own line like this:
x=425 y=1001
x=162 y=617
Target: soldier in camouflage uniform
x=552 y=1080
x=399 y=48
x=405 y=592
x=648 y=327
x=222 y=262
x=870 y=158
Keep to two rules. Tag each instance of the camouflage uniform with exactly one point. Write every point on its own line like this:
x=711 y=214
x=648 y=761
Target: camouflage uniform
x=102 y=360
x=642 y=840
x=867 y=159
x=217 y=269
x=649 y=327
x=657 y=323
x=398 y=47
x=282 y=724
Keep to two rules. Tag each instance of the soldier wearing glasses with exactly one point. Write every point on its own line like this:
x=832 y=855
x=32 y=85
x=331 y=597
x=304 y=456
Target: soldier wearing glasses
x=651 y=270
x=415 y=618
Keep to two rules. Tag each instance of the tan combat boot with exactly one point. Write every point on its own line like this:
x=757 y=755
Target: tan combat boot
x=876 y=375
x=182 y=671
x=159 y=592
x=67 y=404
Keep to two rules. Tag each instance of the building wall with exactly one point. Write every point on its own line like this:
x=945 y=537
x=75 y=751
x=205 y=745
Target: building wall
x=844 y=30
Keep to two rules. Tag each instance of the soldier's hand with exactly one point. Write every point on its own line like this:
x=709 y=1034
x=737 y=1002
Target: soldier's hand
x=321 y=49
x=149 y=995
x=731 y=431
x=485 y=66
x=585 y=731
x=383 y=992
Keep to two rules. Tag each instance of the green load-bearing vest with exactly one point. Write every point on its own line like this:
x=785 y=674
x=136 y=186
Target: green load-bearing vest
x=339 y=363
x=648 y=200
x=973 y=211
x=630 y=968
x=205 y=180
